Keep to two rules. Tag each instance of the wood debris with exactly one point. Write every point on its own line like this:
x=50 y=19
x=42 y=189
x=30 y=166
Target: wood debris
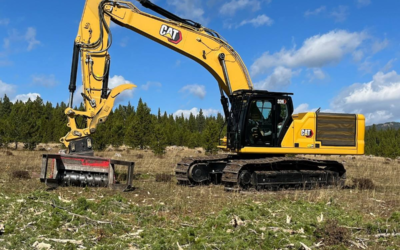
x=305 y=247
x=77 y=242
x=236 y=221
x=384 y=235
x=290 y=231
x=358 y=245
x=320 y=218
x=179 y=247
x=288 y=219
x=41 y=245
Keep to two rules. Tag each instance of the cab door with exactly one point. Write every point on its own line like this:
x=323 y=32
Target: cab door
x=260 y=123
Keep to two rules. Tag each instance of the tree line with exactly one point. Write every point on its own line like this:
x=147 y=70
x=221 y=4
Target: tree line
x=385 y=142
x=34 y=122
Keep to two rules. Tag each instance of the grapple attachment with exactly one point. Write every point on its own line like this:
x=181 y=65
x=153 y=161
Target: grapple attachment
x=77 y=170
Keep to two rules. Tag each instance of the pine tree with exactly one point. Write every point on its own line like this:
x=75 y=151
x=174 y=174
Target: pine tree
x=211 y=136
x=6 y=107
x=192 y=123
x=117 y=126
x=15 y=124
x=139 y=132
x=158 y=142
x=201 y=121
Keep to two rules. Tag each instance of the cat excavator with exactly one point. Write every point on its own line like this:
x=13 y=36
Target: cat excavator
x=263 y=135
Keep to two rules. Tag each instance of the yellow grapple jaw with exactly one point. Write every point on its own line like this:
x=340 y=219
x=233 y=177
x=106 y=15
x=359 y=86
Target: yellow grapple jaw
x=99 y=115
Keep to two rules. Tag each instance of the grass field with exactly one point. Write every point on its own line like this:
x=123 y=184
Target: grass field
x=163 y=215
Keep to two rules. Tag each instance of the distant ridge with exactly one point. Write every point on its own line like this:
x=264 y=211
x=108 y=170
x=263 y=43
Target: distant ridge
x=387 y=125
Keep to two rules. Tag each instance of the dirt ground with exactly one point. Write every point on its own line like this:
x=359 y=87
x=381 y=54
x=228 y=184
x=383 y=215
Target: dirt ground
x=162 y=215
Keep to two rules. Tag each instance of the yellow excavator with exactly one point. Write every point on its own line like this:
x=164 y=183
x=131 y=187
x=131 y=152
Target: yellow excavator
x=261 y=127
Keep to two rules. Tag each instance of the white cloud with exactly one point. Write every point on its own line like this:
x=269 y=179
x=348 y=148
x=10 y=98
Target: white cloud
x=77 y=96
x=362 y=3
x=303 y=108
x=317 y=74
x=4 y=21
x=378 y=46
x=367 y=66
x=189 y=9
x=30 y=37
x=388 y=66
x=316 y=51
x=281 y=78
x=315 y=12
x=6 y=89
x=47 y=81
x=25 y=97
x=195 y=89
x=195 y=112
x=378 y=99
x=15 y=38
x=258 y=21
x=230 y=8
x=116 y=81
x=340 y=13
x=150 y=84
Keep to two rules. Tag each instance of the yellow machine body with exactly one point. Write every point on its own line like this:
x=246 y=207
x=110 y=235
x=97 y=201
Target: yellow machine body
x=296 y=140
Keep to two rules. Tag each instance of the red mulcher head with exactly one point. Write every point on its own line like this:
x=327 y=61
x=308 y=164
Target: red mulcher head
x=78 y=170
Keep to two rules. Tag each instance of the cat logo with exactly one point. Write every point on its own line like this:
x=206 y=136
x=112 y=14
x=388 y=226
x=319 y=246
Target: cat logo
x=173 y=35
x=307 y=133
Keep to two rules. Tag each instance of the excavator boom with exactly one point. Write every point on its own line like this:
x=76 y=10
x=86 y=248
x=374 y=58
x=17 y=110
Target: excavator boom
x=184 y=36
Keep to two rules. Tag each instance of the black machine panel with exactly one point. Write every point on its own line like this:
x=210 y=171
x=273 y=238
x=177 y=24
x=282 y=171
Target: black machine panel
x=336 y=129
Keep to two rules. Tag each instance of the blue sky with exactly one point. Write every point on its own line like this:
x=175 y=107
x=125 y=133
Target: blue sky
x=341 y=56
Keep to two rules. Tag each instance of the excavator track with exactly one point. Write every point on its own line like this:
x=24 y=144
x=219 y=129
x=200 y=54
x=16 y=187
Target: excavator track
x=261 y=174
x=183 y=172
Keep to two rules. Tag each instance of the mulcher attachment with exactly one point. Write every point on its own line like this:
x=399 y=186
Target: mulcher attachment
x=77 y=170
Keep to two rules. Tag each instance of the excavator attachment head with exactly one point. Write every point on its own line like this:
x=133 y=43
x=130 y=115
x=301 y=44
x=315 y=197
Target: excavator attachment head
x=77 y=170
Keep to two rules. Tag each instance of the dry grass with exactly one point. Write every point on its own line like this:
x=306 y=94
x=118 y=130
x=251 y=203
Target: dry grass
x=333 y=234
x=363 y=211
x=363 y=183
x=20 y=174
x=163 y=177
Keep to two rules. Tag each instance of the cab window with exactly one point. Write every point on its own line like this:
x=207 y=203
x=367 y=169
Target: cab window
x=259 y=127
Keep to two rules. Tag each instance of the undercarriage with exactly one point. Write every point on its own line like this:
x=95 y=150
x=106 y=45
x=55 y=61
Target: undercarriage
x=271 y=173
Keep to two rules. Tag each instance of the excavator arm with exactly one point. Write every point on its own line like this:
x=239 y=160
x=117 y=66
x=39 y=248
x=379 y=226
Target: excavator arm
x=184 y=36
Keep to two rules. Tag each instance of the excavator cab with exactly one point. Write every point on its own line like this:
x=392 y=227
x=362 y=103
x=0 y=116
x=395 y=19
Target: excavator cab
x=258 y=118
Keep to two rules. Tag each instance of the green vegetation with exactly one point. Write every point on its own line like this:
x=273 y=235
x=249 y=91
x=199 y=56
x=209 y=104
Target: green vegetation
x=115 y=222
x=159 y=214
x=34 y=122
x=384 y=143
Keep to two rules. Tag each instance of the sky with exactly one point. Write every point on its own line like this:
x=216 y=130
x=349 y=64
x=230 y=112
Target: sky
x=341 y=56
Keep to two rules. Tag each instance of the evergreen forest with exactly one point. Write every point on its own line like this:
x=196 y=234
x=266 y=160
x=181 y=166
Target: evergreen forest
x=36 y=122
